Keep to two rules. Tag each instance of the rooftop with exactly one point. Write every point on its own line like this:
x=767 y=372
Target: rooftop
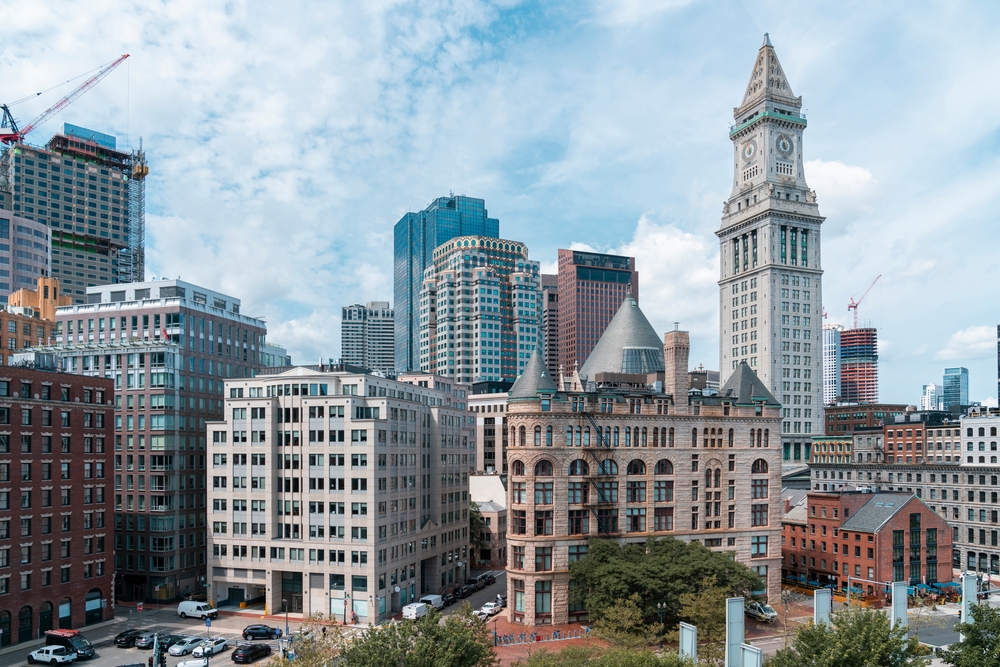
x=876 y=512
x=629 y=345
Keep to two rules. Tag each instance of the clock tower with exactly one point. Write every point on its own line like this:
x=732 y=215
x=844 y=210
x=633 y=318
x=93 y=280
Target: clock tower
x=770 y=278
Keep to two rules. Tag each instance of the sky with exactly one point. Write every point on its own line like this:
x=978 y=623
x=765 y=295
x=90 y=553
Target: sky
x=285 y=140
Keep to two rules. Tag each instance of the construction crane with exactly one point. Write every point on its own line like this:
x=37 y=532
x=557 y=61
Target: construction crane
x=9 y=132
x=853 y=305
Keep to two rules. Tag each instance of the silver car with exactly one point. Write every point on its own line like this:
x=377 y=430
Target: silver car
x=185 y=646
x=210 y=647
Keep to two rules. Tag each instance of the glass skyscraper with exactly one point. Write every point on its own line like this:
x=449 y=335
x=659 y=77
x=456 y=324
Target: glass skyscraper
x=415 y=237
x=956 y=387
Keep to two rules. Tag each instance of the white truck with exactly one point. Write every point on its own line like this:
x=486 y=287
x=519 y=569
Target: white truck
x=414 y=611
x=435 y=601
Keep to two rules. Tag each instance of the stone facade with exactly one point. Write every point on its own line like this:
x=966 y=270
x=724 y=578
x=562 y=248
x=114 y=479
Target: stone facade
x=630 y=463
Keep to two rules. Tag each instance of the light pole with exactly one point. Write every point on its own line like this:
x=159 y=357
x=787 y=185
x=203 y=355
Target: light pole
x=284 y=603
x=661 y=611
x=347 y=603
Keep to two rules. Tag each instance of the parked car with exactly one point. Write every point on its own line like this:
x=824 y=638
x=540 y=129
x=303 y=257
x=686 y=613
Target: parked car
x=193 y=662
x=168 y=640
x=185 y=645
x=145 y=639
x=501 y=600
x=760 y=611
x=126 y=638
x=463 y=591
x=72 y=640
x=490 y=608
x=261 y=632
x=247 y=653
x=200 y=610
x=210 y=647
x=482 y=617
x=449 y=598
x=487 y=579
x=53 y=655
x=476 y=584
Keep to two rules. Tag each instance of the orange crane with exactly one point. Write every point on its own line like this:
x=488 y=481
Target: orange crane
x=9 y=132
x=853 y=305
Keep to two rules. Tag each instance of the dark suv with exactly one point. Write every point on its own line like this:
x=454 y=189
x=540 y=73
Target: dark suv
x=487 y=579
x=477 y=584
x=261 y=632
x=127 y=638
x=247 y=653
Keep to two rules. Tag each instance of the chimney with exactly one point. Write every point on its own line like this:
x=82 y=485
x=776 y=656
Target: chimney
x=788 y=505
x=676 y=347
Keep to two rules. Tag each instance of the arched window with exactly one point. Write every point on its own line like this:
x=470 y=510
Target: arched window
x=718 y=477
x=752 y=432
x=538 y=436
x=524 y=439
x=656 y=437
x=670 y=441
x=968 y=432
x=5 y=628
x=543 y=469
x=982 y=431
x=767 y=432
x=759 y=467
x=636 y=467
x=730 y=437
x=758 y=437
x=94 y=611
x=704 y=438
x=586 y=436
x=608 y=467
x=44 y=617
x=517 y=468
x=579 y=468
x=664 y=467
x=643 y=441
x=694 y=437
x=548 y=436
x=569 y=436
x=65 y=614
x=708 y=479
x=628 y=437
x=614 y=439
x=993 y=430
x=25 y=622
x=578 y=437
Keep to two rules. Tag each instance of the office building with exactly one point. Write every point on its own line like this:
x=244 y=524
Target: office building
x=56 y=568
x=859 y=365
x=168 y=345
x=592 y=286
x=337 y=492
x=770 y=284
x=415 y=237
x=550 y=322
x=703 y=379
x=273 y=355
x=490 y=413
x=367 y=336
x=480 y=310
x=831 y=363
x=834 y=537
x=25 y=251
x=42 y=301
x=955 y=388
x=598 y=455
x=490 y=497
x=90 y=194
x=929 y=397
x=843 y=419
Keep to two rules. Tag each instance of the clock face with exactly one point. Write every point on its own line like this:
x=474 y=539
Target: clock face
x=784 y=144
x=749 y=150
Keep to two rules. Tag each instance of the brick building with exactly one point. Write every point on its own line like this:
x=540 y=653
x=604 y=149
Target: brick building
x=43 y=300
x=21 y=331
x=621 y=450
x=56 y=565
x=877 y=537
x=843 y=419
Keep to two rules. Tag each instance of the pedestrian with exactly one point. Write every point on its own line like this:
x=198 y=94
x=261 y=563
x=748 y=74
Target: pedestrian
x=354 y=617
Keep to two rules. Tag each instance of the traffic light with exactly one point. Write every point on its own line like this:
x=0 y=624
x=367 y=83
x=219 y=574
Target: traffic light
x=163 y=659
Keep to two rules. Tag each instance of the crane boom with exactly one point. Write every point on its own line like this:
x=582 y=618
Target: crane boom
x=10 y=133
x=853 y=305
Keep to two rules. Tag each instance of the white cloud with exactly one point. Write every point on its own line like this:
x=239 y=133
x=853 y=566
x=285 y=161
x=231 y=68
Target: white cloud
x=973 y=343
x=309 y=338
x=630 y=12
x=844 y=191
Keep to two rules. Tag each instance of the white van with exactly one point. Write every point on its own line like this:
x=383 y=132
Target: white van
x=435 y=601
x=200 y=610
x=415 y=611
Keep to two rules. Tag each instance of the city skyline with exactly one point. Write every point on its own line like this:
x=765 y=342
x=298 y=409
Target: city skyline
x=612 y=153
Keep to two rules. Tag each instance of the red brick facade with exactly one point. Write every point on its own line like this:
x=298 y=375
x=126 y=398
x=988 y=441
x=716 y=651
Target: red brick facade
x=56 y=564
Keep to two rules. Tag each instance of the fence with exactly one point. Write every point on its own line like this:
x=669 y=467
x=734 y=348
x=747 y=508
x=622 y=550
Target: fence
x=536 y=637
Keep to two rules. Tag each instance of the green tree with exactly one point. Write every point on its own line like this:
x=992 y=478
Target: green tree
x=855 y=638
x=461 y=640
x=314 y=645
x=980 y=645
x=658 y=570
x=706 y=609
x=583 y=656
x=622 y=624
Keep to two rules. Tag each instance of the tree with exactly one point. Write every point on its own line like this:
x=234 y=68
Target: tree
x=461 y=640
x=314 y=645
x=477 y=529
x=622 y=624
x=658 y=570
x=706 y=609
x=583 y=656
x=855 y=638
x=980 y=645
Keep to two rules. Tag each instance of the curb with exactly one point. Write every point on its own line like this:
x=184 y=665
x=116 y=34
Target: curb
x=35 y=643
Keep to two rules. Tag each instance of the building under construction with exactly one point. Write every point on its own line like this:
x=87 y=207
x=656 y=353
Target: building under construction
x=859 y=365
x=91 y=195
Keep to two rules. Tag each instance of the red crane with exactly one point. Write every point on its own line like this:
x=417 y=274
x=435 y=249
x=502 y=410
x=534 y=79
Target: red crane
x=853 y=305
x=9 y=132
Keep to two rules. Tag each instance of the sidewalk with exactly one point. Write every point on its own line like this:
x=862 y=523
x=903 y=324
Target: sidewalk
x=105 y=632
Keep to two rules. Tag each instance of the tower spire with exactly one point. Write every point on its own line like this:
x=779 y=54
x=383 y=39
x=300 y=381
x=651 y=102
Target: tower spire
x=767 y=80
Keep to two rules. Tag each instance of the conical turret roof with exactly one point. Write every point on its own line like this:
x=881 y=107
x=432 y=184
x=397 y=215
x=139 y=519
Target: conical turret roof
x=767 y=81
x=744 y=386
x=533 y=379
x=628 y=345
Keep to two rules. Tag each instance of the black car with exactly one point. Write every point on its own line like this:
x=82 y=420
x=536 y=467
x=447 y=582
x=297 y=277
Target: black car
x=166 y=641
x=247 y=653
x=476 y=584
x=448 y=599
x=487 y=579
x=126 y=638
x=261 y=632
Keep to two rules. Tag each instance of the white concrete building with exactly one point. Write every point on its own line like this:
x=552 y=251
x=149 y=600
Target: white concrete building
x=367 y=337
x=338 y=492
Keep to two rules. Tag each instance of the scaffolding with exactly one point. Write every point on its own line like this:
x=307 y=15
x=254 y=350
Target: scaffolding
x=132 y=258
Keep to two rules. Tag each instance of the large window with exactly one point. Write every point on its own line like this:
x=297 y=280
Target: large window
x=543 y=599
x=758 y=515
x=663 y=491
x=663 y=518
x=579 y=522
x=543 y=559
x=578 y=492
x=543 y=523
x=758 y=546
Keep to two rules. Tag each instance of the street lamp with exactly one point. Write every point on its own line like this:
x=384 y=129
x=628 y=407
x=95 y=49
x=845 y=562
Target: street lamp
x=284 y=603
x=661 y=611
x=347 y=603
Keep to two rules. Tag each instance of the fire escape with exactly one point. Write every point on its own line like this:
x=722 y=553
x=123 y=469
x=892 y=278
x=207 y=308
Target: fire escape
x=602 y=472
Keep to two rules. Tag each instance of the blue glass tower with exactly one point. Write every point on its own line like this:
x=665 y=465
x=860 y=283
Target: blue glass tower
x=414 y=238
x=956 y=387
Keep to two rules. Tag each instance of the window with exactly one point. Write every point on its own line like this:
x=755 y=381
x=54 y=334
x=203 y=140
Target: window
x=664 y=467
x=759 y=467
x=543 y=469
x=543 y=559
x=758 y=546
x=579 y=522
x=543 y=522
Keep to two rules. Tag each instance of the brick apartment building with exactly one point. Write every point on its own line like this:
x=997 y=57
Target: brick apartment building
x=55 y=525
x=878 y=537
x=843 y=419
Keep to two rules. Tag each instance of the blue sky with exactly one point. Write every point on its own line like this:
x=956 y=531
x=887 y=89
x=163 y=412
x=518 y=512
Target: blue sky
x=285 y=142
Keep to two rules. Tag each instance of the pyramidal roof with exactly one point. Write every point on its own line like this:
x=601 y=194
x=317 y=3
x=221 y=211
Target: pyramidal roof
x=767 y=79
x=533 y=379
x=628 y=345
x=744 y=386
